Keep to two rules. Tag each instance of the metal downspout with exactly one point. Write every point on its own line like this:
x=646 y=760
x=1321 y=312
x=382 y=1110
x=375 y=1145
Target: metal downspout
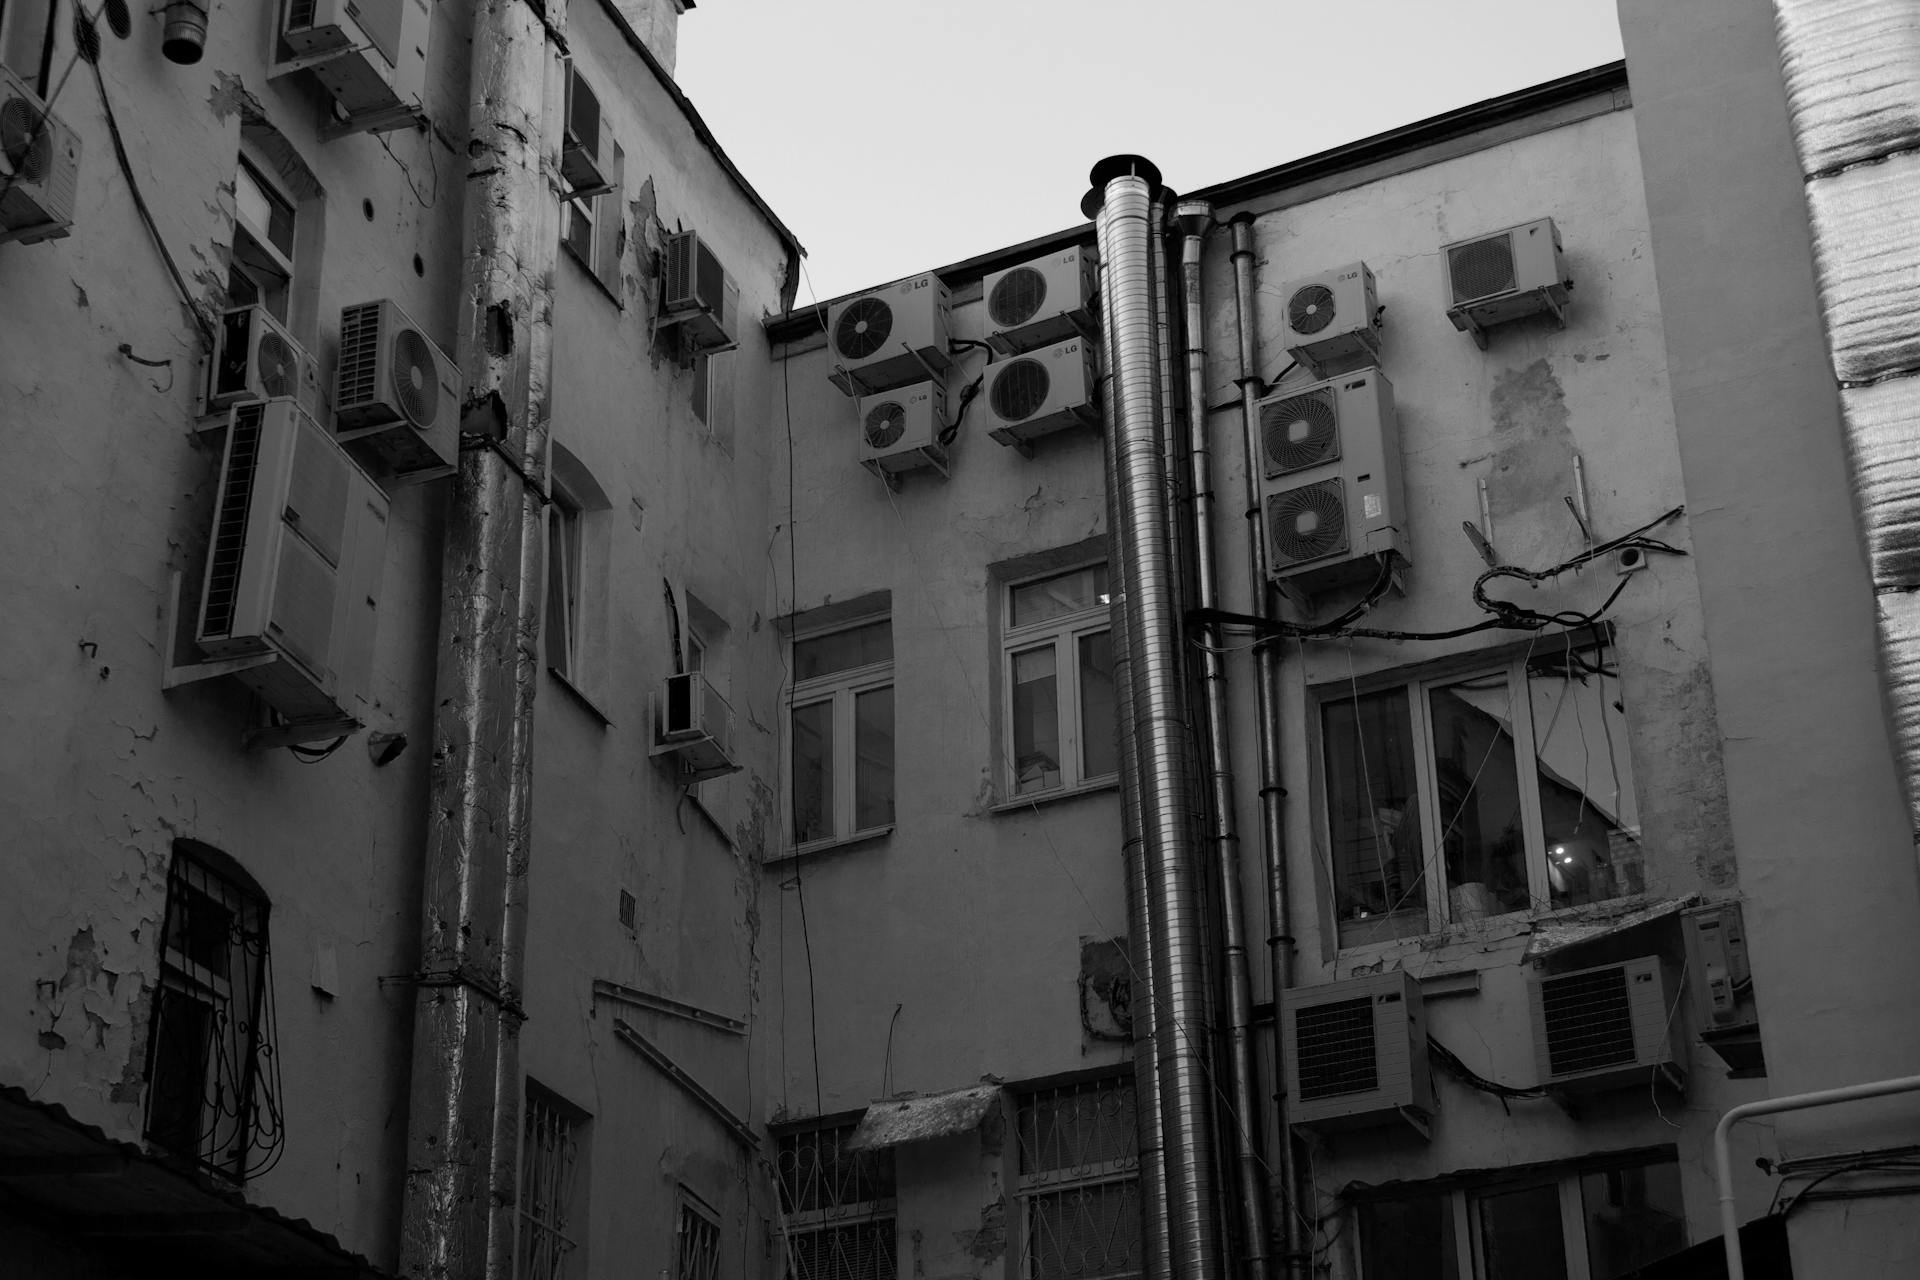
x=1855 y=114
x=1142 y=549
x=463 y=1119
x=1273 y=830
x=1196 y=219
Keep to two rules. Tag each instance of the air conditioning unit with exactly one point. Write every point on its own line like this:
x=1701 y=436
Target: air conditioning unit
x=698 y=296
x=1603 y=1028
x=255 y=358
x=1330 y=481
x=891 y=337
x=1043 y=302
x=1041 y=392
x=1356 y=1054
x=580 y=162
x=39 y=166
x=1330 y=319
x=1504 y=276
x=294 y=563
x=1716 y=939
x=396 y=396
x=900 y=430
x=371 y=55
x=694 y=724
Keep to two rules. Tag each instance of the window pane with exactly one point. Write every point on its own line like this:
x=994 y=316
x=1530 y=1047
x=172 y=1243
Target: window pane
x=1634 y=1216
x=813 y=772
x=563 y=550
x=861 y=646
x=1409 y=1239
x=262 y=210
x=873 y=759
x=579 y=235
x=178 y=1061
x=1474 y=768
x=1519 y=1235
x=1373 y=817
x=1060 y=595
x=1099 y=735
x=1586 y=784
x=1036 y=720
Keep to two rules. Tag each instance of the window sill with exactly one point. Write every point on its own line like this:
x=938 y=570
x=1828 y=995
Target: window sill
x=1509 y=924
x=835 y=845
x=581 y=696
x=592 y=275
x=1035 y=799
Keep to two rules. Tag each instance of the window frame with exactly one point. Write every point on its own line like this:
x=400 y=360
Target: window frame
x=535 y=1216
x=566 y=546
x=270 y=279
x=1032 y=1184
x=1063 y=634
x=829 y=1217
x=690 y=1209
x=606 y=227
x=579 y=524
x=1416 y=687
x=843 y=689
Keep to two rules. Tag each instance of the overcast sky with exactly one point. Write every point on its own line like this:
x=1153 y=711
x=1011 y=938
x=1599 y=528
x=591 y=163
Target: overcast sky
x=894 y=136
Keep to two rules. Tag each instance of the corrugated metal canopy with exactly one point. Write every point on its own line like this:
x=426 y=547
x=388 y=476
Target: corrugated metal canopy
x=892 y=1121
x=1553 y=936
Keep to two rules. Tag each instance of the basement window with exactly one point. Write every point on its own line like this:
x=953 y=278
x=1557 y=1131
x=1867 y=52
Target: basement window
x=1079 y=1182
x=838 y=1204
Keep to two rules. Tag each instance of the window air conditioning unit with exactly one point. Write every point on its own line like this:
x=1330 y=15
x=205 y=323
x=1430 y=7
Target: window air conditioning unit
x=1603 y=1028
x=1356 y=1054
x=371 y=55
x=891 y=337
x=39 y=166
x=698 y=296
x=694 y=724
x=1513 y=273
x=1043 y=302
x=580 y=162
x=294 y=563
x=1331 y=320
x=396 y=397
x=255 y=358
x=1330 y=481
x=1041 y=392
x=900 y=430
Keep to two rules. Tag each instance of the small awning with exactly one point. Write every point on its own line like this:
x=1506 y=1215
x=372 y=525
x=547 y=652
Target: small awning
x=892 y=1121
x=1550 y=937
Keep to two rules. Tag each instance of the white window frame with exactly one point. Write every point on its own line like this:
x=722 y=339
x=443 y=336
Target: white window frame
x=606 y=229
x=274 y=281
x=1420 y=722
x=1064 y=634
x=841 y=688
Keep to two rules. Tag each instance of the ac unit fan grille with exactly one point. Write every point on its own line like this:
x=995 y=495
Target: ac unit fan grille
x=886 y=423
x=229 y=542
x=1299 y=432
x=273 y=364
x=359 y=355
x=25 y=140
x=1482 y=268
x=863 y=329
x=1311 y=309
x=1335 y=1049
x=414 y=380
x=1017 y=297
x=1307 y=523
x=1020 y=390
x=1589 y=1021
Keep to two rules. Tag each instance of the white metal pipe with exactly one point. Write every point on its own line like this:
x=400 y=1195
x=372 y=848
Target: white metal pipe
x=1723 y=1163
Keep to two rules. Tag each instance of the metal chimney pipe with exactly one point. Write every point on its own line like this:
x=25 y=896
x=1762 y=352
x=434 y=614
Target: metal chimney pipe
x=1142 y=548
x=1273 y=829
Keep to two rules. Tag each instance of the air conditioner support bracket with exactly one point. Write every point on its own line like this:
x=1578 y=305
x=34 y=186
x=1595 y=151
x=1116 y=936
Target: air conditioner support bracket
x=399 y=116
x=173 y=672
x=293 y=735
x=933 y=374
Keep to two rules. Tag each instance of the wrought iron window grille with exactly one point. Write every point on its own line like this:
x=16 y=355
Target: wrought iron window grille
x=1080 y=1182
x=839 y=1206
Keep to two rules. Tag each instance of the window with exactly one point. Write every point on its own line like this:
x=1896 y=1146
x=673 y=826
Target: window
x=213 y=1085
x=1602 y=1223
x=1444 y=756
x=261 y=267
x=579 y=538
x=564 y=519
x=594 y=231
x=840 y=744
x=713 y=395
x=1080 y=1182
x=706 y=652
x=550 y=1221
x=696 y=1241
x=838 y=1205
x=1058 y=669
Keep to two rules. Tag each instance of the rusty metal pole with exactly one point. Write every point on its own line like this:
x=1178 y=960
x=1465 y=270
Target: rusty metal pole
x=457 y=1215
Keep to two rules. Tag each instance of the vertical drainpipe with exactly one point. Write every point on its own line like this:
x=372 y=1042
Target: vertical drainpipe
x=1273 y=831
x=1142 y=548
x=1195 y=220
x=463 y=1120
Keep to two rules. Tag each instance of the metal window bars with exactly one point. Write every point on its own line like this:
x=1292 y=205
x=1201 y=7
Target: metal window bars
x=839 y=1206
x=1080 y=1182
x=549 y=1154
x=696 y=1244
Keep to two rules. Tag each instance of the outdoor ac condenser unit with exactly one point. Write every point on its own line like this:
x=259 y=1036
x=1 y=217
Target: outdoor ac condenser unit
x=39 y=166
x=294 y=563
x=1041 y=302
x=698 y=295
x=891 y=337
x=1356 y=1054
x=396 y=395
x=900 y=430
x=694 y=724
x=371 y=55
x=1603 y=1028
x=1331 y=319
x=1330 y=481
x=255 y=358
x=1504 y=276
x=1041 y=392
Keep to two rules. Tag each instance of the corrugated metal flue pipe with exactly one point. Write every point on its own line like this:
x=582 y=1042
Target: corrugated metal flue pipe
x=1852 y=73
x=1195 y=218
x=1142 y=549
x=1273 y=830
x=457 y=1215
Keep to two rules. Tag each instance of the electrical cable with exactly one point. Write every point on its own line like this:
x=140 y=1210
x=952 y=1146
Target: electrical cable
x=426 y=202
x=1450 y=1062
x=314 y=755
x=952 y=429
